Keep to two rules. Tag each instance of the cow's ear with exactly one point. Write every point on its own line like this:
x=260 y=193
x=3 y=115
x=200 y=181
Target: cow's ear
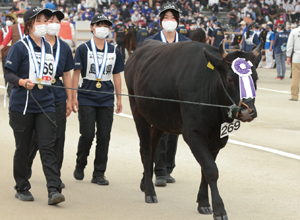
x=214 y=62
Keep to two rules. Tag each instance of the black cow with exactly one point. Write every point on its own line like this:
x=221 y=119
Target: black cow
x=179 y=71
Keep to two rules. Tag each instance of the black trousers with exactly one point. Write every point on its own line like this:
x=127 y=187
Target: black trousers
x=9 y=88
x=90 y=116
x=165 y=154
x=60 y=115
x=23 y=127
x=121 y=48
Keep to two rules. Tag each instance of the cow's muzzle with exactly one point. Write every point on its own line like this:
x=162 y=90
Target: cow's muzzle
x=248 y=110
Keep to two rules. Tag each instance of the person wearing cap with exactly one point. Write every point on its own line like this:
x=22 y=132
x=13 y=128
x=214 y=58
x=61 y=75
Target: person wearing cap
x=66 y=31
x=154 y=22
x=217 y=35
x=29 y=67
x=119 y=30
x=181 y=29
x=96 y=109
x=293 y=57
x=15 y=33
x=142 y=34
x=166 y=149
x=50 y=5
x=147 y=12
x=63 y=64
x=269 y=47
x=280 y=43
x=250 y=39
x=279 y=21
x=87 y=15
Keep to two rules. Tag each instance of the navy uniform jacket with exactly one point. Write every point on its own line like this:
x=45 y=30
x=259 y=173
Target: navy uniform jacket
x=91 y=98
x=183 y=31
x=18 y=62
x=66 y=63
x=157 y=37
x=218 y=35
x=251 y=41
x=142 y=34
x=280 y=42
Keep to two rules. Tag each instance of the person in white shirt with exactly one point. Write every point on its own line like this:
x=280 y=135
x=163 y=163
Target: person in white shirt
x=297 y=10
x=269 y=2
x=293 y=45
x=135 y=17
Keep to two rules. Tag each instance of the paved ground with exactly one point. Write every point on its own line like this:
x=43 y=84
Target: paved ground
x=254 y=184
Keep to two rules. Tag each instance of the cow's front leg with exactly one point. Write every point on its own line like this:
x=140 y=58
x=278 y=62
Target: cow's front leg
x=202 y=198
x=199 y=148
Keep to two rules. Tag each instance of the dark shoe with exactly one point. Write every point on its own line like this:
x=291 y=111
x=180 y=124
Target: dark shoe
x=170 y=179
x=293 y=99
x=78 y=174
x=62 y=185
x=100 y=180
x=160 y=181
x=24 y=195
x=55 y=198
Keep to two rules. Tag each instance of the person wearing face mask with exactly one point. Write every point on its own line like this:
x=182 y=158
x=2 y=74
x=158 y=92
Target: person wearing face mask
x=119 y=30
x=82 y=6
x=273 y=14
x=62 y=6
x=124 y=12
x=181 y=29
x=28 y=67
x=66 y=31
x=280 y=43
x=166 y=149
x=279 y=21
x=15 y=33
x=156 y=22
x=250 y=39
x=233 y=18
x=10 y=19
x=156 y=10
x=142 y=34
x=87 y=15
x=147 y=12
x=63 y=64
x=256 y=9
x=96 y=108
x=217 y=35
x=269 y=47
x=135 y=17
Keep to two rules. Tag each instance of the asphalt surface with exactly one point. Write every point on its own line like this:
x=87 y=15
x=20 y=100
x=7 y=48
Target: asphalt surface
x=254 y=184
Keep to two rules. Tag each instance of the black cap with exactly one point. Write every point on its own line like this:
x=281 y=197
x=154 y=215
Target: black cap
x=169 y=6
x=281 y=26
x=58 y=14
x=100 y=17
x=34 y=11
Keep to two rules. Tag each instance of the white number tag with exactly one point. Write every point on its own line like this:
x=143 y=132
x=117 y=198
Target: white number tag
x=228 y=128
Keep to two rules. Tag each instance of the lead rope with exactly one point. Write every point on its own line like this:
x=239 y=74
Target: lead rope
x=30 y=91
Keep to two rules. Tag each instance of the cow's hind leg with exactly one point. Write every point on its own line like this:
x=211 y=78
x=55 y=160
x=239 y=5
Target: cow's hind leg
x=202 y=198
x=144 y=132
x=199 y=148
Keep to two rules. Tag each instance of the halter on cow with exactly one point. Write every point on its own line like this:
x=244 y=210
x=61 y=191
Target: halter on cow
x=196 y=72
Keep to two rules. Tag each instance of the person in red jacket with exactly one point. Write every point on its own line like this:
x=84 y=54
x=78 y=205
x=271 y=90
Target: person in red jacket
x=279 y=21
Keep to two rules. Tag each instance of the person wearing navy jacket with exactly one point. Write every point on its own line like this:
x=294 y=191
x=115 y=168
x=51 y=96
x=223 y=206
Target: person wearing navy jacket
x=250 y=39
x=166 y=149
x=97 y=61
x=29 y=67
x=63 y=64
x=217 y=35
x=280 y=43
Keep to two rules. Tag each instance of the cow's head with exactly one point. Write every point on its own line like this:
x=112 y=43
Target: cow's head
x=239 y=76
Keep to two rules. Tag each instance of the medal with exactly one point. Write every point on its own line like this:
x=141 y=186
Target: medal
x=98 y=85
x=40 y=86
x=53 y=81
x=99 y=72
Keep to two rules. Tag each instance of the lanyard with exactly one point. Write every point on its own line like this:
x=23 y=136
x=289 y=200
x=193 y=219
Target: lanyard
x=57 y=55
x=99 y=72
x=39 y=72
x=163 y=37
x=20 y=31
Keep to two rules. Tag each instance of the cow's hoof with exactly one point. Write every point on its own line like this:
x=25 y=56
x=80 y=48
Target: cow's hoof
x=223 y=217
x=142 y=186
x=205 y=210
x=151 y=199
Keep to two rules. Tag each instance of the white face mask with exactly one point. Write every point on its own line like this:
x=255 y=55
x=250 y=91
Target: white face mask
x=136 y=13
x=169 y=26
x=281 y=19
x=124 y=7
x=87 y=10
x=205 y=19
x=248 y=16
x=8 y=23
x=101 y=32
x=53 y=28
x=20 y=20
x=40 y=30
x=146 y=7
x=158 y=7
x=255 y=6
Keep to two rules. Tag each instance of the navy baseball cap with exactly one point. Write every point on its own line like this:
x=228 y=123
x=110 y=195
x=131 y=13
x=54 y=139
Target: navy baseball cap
x=218 y=23
x=58 y=14
x=34 y=11
x=100 y=17
x=214 y=18
x=181 y=20
x=169 y=6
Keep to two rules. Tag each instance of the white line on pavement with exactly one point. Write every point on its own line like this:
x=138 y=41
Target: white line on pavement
x=273 y=90
x=282 y=153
